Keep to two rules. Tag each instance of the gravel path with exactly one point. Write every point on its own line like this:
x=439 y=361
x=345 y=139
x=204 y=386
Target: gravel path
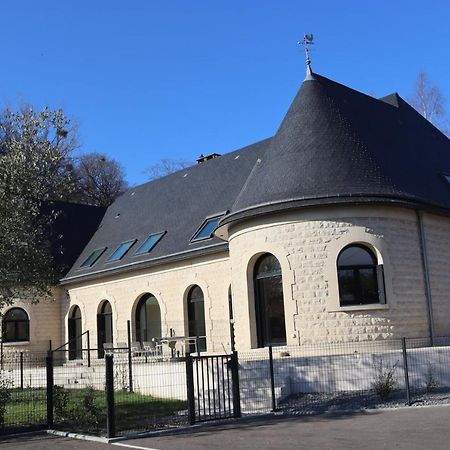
x=354 y=401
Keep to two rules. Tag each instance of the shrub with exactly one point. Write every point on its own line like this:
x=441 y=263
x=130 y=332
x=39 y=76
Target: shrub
x=60 y=401
x=385 y=379
x=431 y=381
x=85 y=412
x=5 y=395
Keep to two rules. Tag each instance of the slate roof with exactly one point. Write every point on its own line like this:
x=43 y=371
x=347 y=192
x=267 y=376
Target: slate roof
x=339 y=145
x=178 y=204
x=334 y=145
x=71 y=231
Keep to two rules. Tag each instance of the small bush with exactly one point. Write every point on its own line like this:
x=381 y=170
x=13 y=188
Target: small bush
x=85 y=412
x=431 y=382
x=5 y=396
x=60 y=401
x=385 y=379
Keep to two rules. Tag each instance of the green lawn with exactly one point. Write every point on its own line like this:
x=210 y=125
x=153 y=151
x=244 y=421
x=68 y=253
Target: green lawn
x=85 y=409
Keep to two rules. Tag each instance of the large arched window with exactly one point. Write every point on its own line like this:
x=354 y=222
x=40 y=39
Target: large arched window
x=148 y=319
x=104 y=327
x=196 y=317
x=269 y=304
x=75 y=329
x=358 y=276
x=16 y=326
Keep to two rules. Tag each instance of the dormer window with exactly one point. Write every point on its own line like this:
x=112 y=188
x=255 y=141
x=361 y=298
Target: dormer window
x=206 y=229
x=93 y=257
x=149 y=243
x=121 y=250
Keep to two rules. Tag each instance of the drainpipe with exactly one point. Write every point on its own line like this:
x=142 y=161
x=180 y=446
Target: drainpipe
x=426 y=273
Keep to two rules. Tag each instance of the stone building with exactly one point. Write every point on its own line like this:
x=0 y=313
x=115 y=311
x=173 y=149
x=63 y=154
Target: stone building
x=335 y=229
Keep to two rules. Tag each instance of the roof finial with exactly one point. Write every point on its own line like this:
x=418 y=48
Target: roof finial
x=307 y=41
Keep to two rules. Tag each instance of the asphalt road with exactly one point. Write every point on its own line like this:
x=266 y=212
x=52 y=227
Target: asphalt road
x=409 y=429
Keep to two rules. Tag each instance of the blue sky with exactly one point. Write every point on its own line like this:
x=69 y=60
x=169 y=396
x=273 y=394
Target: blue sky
x=151 y=79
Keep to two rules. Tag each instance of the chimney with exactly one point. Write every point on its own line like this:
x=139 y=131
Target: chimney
x=203 y=158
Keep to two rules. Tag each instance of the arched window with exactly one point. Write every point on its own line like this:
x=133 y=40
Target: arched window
x=358 y=276
x=269 y=304
x=148 y=319
x=16 y=326
x=75 y=329
x=196 y=317
x=104 y=327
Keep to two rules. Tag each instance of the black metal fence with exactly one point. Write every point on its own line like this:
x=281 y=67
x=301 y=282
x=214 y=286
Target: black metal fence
x=347 y=376
x=130 y=390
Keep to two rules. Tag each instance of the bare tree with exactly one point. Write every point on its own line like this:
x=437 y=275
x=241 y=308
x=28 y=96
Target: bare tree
x=99 y=180
x=165 y=167
x=429 y=101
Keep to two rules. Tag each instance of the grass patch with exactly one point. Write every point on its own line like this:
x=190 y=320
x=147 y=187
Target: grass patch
x=85 y=409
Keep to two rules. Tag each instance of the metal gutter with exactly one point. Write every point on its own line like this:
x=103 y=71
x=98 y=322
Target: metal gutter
x=426 y=274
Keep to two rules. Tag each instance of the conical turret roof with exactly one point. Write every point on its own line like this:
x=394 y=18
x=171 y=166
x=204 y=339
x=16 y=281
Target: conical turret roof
x=338 y=145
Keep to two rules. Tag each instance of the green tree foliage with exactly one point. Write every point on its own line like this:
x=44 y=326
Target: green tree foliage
x=34 y=154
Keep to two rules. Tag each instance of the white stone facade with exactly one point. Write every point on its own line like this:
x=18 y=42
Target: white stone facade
x=306 y=242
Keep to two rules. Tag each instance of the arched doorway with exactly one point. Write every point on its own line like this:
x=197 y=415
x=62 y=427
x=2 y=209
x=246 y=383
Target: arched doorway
x=75 y=330
x=196 y=317
x=148 y=319
x=269 y=304
x=104 y=327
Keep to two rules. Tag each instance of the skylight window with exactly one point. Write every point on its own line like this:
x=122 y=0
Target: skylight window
x=93 y=257
x=150 y=242
x=120 y=251
x=207 y=229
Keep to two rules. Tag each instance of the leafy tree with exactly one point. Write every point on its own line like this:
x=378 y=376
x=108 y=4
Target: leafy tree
x=165 y=167
x=99 y=180
x=34 y=151
x=429 y=101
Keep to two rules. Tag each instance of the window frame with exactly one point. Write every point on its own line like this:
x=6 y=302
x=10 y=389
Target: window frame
x=131 y=242
x=160 y=233
x=356 y=269
x=207 y=219
x=16 y=322
x=102 y=250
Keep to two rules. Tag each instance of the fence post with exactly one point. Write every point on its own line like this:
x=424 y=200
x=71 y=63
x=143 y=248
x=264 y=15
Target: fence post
x=197 y=344
x=130 y=366
x=405 y=369
x=235 y=385
x=21 y=371
x=88 y=348
x=272 y=379
x=1 y=354
x=190 y=388
x=49 y=363
x=110 y=404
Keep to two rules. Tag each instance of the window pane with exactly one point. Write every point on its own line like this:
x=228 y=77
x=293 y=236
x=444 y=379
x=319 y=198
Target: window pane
x=355 y=256
x=121 y=250
x=348 y=288
x=148 y=245
x=16 y=314
x=93 y=257
x=369 y=288
x=207 y=229
x=22 y=331
x=271 y=292
x=9 y=331
x=268 y=266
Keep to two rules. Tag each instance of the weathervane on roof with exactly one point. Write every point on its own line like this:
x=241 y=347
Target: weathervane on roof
x=306 y=42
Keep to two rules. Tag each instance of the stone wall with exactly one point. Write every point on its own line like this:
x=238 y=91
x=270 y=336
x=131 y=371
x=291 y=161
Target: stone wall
x=170 y=285
x=45 y=324
x=307 y=244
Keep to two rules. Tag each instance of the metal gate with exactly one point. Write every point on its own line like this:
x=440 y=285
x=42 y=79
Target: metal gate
x=212 y=387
